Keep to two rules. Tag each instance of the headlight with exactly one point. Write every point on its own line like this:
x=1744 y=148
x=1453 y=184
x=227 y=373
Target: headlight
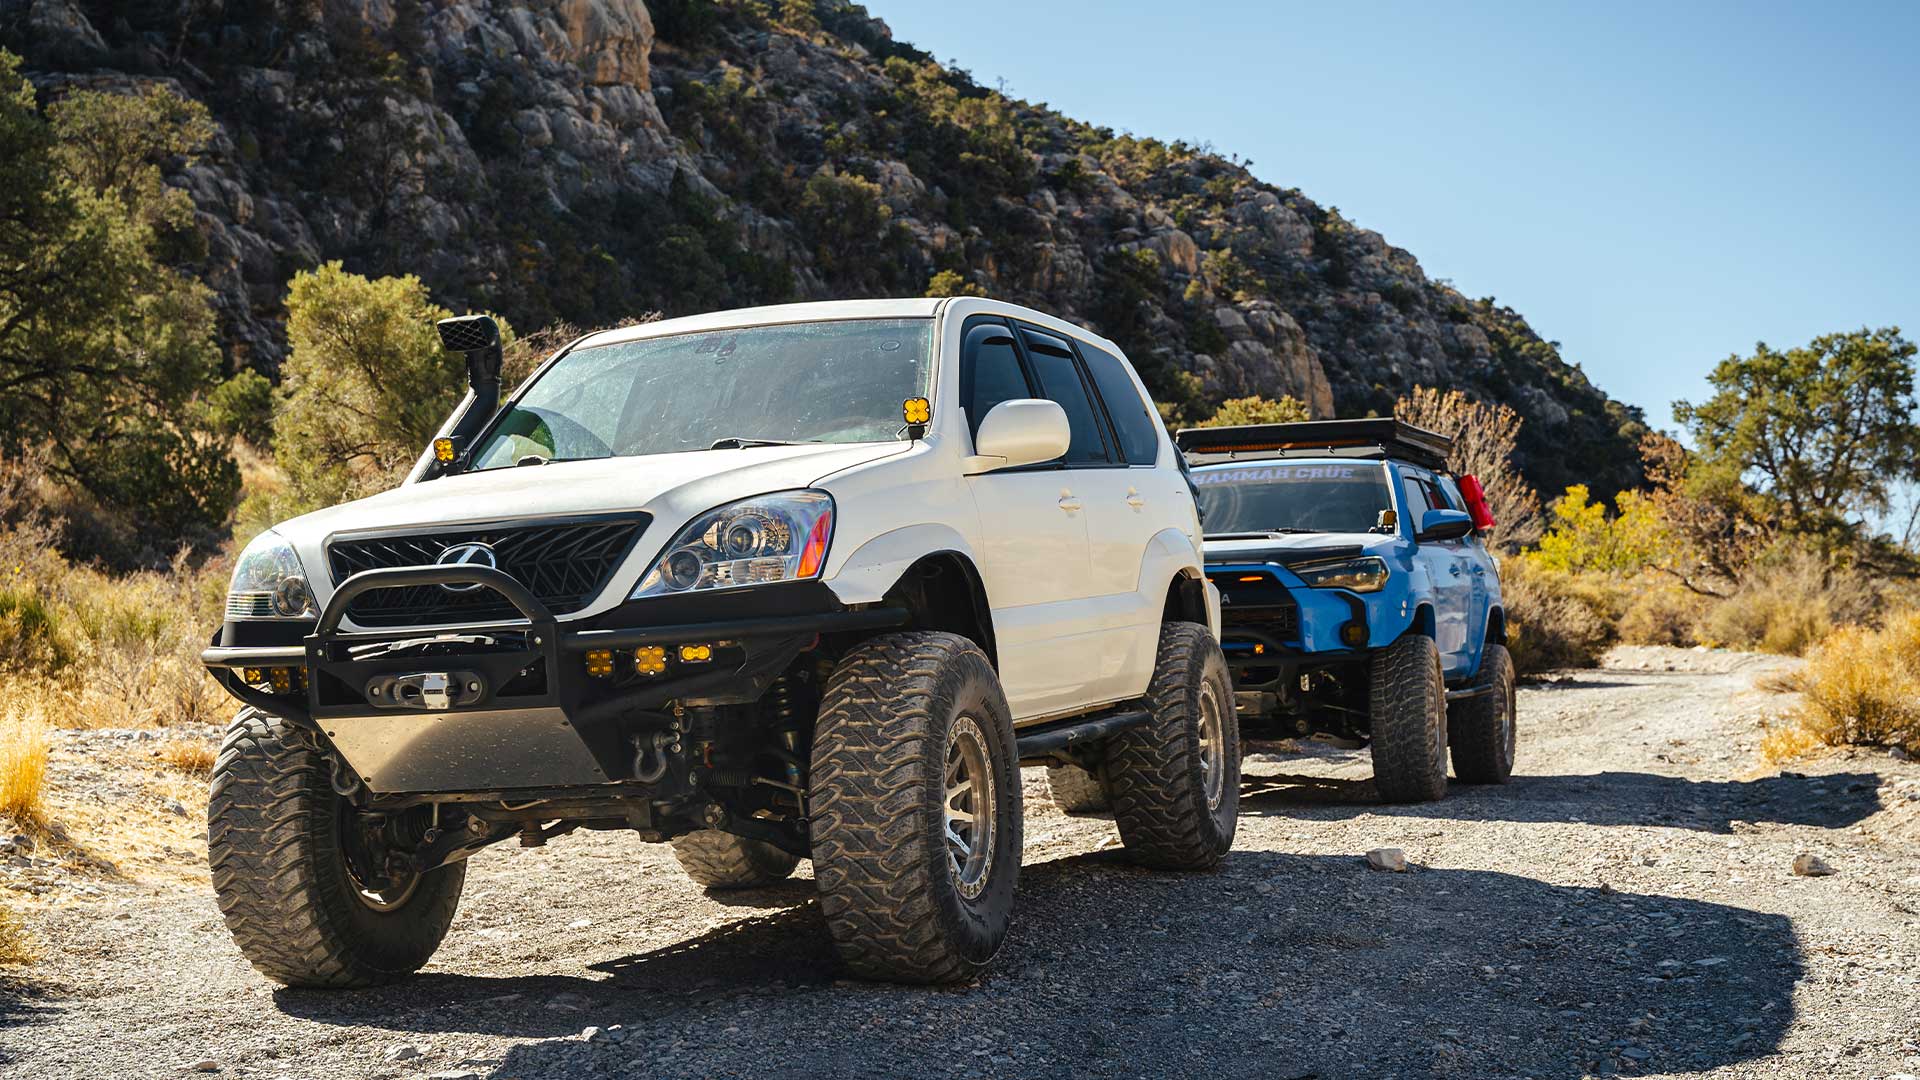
x=770 y=538
x=268 y=582
x=1360 y=575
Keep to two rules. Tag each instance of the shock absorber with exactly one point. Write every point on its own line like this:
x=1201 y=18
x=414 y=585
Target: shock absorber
x=780 y=698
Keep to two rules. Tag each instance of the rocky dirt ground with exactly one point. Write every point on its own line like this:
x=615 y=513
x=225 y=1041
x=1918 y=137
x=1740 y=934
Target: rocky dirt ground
x=1626 y=906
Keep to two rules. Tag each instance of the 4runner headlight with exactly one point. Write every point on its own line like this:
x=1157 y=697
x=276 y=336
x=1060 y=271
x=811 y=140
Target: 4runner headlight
x=780 y=537
x=1360 y=575
x=268 y=582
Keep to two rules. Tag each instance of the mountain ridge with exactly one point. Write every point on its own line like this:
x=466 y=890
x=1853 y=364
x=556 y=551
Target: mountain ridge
x=590 y=160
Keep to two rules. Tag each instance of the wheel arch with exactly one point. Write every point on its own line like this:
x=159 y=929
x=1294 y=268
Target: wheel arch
x=1424 y=622
x=943 y=590
x=1497 y=626
x=1186 y=598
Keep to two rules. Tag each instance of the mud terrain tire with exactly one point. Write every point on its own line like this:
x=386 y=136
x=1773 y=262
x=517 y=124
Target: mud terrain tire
x=720 y=860
x=1408 y=702
x=914 y=728
x=274 y=845
x=1175 y=780
x=1481 y=729
x=1075 y=790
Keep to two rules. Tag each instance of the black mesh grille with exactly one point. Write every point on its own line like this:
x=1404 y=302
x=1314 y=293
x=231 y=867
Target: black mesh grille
x=1258 y=601
x=466 y=334
x=566 y=566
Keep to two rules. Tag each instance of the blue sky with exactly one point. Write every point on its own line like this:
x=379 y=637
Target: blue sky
x=1654 y=186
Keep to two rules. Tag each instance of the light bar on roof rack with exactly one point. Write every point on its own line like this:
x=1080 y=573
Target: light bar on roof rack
x=1381 y=436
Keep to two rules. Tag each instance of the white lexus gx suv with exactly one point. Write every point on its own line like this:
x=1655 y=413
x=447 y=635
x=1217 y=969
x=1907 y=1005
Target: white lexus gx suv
x=793 y=582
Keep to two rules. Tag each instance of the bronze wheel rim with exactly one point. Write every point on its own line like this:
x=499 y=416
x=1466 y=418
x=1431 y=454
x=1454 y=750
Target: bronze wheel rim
x=969 y=814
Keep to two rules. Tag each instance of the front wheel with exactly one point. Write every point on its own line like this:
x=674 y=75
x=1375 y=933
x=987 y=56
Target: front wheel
x=915 y=807
x=1175 y=780
x=291 y=867
x=1481 y=728
x=1408 y=702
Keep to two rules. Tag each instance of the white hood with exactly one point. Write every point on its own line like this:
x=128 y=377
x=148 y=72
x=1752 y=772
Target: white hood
x=673 y=488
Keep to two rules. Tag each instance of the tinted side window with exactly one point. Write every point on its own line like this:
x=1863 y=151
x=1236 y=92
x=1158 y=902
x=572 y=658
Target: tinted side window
x=1060 y=382
x=1419 y=496
x=990 y=371
x=1450 y=496
x=1133 y=423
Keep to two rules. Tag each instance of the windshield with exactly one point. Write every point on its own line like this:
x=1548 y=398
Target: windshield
x=1292 y=498
x=828 y=382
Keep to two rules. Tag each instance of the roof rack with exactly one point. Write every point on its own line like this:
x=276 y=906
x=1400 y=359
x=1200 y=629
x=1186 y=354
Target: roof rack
x=1375 y=437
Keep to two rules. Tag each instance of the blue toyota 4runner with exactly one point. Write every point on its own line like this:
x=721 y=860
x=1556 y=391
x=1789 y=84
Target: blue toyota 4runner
x=1357 y=598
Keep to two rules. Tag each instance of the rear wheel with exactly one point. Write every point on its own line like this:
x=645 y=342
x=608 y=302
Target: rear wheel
x=1408 y=703
x=1075 y=790
x=294 y=873
x=1175 y=780
x=1481 y=728
x=915 y=808
x=720 y=860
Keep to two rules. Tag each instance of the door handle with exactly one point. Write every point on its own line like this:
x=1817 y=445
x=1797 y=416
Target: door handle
x=1454 y=569
x=1068 y=502
x=1479 y=570
x=1134 y=500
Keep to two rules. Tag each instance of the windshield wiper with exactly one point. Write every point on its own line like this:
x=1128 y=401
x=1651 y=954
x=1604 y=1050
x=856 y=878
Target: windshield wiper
x=735 y=442
x=1260 y=535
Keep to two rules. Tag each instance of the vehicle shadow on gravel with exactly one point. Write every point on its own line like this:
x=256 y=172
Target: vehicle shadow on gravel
x=1607 y=798
x=1275 y=965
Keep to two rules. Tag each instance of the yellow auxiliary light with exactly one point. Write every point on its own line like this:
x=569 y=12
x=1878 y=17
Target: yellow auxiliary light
x=599 y=663
x=695 y=654
x=253 y=675
x=650 y=659
x=917 y=410
x=284 y=680
x=1259 y=649
x=443 y=450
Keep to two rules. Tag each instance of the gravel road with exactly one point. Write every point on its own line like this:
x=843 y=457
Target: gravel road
x=1625 y=906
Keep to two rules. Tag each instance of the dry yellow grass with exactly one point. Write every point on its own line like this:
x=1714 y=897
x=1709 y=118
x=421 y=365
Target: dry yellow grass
x=23 y=772
x=13 y=938
x=187 y=756
x=1861 y=687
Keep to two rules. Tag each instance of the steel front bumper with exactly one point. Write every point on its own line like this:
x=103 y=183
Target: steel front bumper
x=507 y=706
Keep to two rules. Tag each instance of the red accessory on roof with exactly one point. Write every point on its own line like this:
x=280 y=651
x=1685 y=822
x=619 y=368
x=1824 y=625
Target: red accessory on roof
x=1476 y=497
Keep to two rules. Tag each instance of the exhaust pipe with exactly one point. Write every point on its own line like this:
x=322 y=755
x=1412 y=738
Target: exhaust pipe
x=477 y=339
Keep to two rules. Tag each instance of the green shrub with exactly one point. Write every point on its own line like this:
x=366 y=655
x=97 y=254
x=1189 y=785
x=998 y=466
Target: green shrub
x=1554 y=619
x=32 y=639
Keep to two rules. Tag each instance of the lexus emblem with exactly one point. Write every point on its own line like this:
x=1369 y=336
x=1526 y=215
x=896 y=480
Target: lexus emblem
x=468 y=555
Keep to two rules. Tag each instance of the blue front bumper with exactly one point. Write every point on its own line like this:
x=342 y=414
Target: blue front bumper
x=1266 y=610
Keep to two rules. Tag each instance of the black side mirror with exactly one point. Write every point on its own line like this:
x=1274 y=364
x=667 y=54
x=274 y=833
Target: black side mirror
x=1444 y=525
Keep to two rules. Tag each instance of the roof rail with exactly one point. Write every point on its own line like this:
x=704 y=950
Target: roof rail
x=1375 y=437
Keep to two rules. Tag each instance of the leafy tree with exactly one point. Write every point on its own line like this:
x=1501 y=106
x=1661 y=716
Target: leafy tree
x=1824 y=431
x=1256 y=410
x=364 y=387
x=1583 y=538
x=1484 y=438
x=952 y=283
x=104 y=342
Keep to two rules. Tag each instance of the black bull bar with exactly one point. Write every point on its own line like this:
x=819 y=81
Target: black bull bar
x=465 y=734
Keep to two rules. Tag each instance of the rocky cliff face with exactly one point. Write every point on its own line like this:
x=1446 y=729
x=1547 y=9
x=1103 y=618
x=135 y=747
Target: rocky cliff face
x=590 y=160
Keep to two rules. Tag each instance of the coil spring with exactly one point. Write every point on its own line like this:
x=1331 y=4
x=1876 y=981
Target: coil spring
x=780 y=696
